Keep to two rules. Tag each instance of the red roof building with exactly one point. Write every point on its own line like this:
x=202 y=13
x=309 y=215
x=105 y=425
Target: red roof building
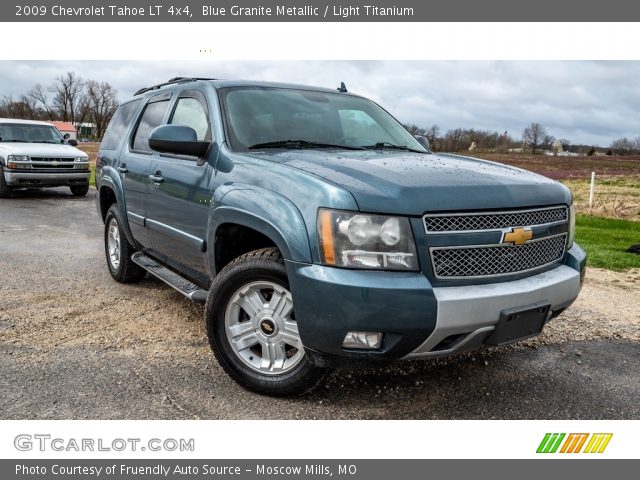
x=66 y=127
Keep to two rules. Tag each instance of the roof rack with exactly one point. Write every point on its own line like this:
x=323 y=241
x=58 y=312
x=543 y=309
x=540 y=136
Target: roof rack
x=172 y=81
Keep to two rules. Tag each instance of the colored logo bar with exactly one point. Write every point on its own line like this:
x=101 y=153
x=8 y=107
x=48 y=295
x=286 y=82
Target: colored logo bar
x=574 y=443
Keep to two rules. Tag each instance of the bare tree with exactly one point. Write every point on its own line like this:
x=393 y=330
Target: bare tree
x=68 y=90
x=534 y=136
x=102 y=103
x=414 y=129
x=83 y=114
x=23 y=108
x=41 y=98
x=624 y=145
x=548 y=141
x=432 y=135
x=566 y=144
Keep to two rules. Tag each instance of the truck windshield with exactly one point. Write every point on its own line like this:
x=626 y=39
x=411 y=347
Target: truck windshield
x=29 y=133
x=267 y=117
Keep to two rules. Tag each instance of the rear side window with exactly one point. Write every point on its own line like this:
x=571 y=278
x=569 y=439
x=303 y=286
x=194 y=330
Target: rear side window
x=118 y=126
x=151 y=118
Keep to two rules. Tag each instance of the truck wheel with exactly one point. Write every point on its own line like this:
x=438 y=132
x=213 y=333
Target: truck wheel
x=79 y=190
x=252 y=327
x=119 y=250
x=5 y=190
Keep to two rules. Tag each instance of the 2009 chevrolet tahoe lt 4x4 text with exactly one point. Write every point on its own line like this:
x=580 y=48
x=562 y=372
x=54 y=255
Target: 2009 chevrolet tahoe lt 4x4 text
x=321 y=233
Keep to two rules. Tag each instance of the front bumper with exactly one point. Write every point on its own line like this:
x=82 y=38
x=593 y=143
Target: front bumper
x=32 y=179
x=418 y=320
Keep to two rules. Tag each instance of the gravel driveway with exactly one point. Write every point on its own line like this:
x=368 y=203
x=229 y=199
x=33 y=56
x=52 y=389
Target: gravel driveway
x=76 y=344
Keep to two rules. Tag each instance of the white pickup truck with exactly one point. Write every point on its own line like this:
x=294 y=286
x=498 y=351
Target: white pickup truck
x=35 y=154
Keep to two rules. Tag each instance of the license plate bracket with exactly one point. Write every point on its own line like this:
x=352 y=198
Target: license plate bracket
x=519 y=323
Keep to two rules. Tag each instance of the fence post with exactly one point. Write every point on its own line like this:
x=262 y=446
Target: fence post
x=591 y=189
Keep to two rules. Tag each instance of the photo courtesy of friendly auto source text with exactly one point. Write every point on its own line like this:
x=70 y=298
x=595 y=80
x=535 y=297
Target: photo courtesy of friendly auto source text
x=305 y=221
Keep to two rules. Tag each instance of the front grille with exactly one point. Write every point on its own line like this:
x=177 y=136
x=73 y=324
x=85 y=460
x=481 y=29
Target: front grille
x=492 y=260
x=52 y=162
x=493 y=220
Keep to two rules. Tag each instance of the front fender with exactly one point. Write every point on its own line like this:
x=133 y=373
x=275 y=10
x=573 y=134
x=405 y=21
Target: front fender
x=265 y=211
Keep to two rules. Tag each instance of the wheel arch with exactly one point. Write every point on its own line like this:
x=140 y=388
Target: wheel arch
x=269 y=214
x=110 y=192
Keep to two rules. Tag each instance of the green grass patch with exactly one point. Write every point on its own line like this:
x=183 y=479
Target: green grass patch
x=92 y=178
x=606 y=241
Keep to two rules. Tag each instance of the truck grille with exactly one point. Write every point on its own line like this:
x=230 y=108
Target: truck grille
x=440 y=223
x=493 y=260
x=52 y=162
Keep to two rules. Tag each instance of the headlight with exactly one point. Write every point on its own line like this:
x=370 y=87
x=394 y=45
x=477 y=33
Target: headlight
x=356 y=240
x=572 y=225
x=18 y=161
x=81 y=163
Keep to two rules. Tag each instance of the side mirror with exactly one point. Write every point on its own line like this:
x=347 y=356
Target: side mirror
x=66 y=136
x=177 y=139
x=424 y=141
x=73 y=143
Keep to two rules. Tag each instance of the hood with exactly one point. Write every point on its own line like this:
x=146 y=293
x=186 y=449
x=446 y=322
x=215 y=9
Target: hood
x=411 y=183
x=40 y=150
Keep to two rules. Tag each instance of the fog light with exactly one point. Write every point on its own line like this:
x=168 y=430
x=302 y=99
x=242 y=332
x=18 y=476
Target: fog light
x=363 y=340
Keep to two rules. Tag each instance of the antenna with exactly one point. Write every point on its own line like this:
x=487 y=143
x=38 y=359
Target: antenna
x=342 y=88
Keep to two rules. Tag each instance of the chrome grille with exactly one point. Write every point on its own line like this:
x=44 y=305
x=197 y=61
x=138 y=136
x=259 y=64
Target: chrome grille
x=493 y=260
x=52 y=162
x=493 y=220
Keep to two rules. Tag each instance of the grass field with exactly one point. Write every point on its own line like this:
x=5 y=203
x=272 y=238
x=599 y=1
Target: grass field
x=606 y=241
x=617 y=188
x=565 y=168
x=614 y=197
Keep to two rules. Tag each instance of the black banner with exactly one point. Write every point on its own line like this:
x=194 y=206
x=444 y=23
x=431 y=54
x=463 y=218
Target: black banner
x=318 y=11
x=318 y=469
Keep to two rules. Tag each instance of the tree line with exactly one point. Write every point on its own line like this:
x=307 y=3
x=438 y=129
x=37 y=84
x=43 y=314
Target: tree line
x=69 y=98
x=534 y=139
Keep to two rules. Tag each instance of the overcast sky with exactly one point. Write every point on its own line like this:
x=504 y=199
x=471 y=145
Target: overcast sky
x=586 y=102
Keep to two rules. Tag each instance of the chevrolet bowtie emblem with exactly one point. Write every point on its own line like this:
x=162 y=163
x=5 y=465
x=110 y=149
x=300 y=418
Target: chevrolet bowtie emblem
x=517 y=236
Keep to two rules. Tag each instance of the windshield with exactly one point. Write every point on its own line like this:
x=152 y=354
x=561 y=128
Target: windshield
x=29 y=133
x=287 y=118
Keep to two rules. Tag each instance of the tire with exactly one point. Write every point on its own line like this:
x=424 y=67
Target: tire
x=5 y=190
x=118 y=250
x=79 y=190
x=252 y=329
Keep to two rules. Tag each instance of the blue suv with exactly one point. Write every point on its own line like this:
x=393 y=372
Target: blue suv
x=320 y=233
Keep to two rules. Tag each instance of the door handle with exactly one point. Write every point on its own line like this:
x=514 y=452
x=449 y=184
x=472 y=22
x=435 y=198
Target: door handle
x=123 y=168
x=156 y=178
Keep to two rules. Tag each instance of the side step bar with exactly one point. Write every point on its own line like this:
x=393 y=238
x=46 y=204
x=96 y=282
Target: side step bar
x=185 y=287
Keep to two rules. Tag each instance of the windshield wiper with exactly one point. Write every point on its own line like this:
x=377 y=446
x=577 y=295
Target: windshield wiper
x=300 y=144
x=390 y=146
x=14 y=141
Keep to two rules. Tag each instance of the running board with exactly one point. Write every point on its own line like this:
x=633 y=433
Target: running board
x=171 y=278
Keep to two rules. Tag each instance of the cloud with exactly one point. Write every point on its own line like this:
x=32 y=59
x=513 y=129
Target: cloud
x=586 y=102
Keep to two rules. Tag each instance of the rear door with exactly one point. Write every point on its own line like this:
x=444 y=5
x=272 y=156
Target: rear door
x=136 y=163
x=179 y=199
